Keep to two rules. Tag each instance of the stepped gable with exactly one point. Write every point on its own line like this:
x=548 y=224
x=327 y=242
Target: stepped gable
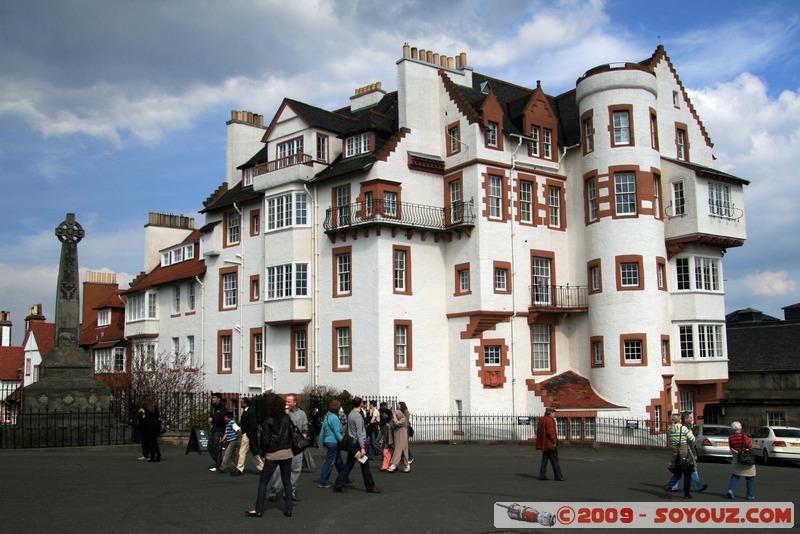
x=237 y=194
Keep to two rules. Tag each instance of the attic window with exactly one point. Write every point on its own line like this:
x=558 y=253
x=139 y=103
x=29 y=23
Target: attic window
x=247 y=179
x=485 y=88
x=104 y=317
x=357 y=144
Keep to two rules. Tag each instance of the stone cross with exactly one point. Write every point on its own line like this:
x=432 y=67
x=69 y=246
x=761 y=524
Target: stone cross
x=69 y=232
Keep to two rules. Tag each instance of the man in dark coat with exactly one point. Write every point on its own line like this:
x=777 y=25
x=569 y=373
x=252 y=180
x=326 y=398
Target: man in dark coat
x=547 y=442
x=217 y=423
x=250 y=442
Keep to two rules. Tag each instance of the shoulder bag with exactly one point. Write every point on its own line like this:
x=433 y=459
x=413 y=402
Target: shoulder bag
x=746 y=456
x=348 y=444
x=299 y=442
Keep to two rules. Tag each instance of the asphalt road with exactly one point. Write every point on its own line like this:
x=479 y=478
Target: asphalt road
x=452 y=488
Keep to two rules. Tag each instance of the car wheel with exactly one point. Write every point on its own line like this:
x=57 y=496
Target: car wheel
x=765 y=456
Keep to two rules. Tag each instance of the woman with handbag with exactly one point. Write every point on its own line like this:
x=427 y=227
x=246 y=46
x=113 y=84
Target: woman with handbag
x=400 y=424
x=276 y=447
x=682 y=461
x=742 y=461
x=330 y=435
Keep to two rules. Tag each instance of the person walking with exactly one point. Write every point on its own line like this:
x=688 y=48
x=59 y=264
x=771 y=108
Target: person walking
x=682 y=461
x=737 y=442
x=149 y=427
x=355 y=429
x=330 y=435
x=276 y=445
x=300 y=420
x=399 y=424
x=547 y=442
x=217 y=423
x=686 y=420
x=385 y=435
x=232 y=441
x=373 y=419
x=249 y=443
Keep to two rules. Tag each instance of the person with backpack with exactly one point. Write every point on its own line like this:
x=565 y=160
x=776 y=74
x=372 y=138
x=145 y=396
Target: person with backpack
x=330 y=435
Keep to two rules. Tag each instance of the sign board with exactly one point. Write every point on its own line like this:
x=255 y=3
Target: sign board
x=525 y=420
x=632 y=424
x=198 y=441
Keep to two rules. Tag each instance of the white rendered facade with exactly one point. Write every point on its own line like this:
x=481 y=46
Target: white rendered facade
x=470 y=245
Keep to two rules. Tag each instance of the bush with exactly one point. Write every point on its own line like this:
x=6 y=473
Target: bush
x=198 y=420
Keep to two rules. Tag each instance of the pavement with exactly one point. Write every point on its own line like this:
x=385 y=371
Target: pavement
x=451 y=488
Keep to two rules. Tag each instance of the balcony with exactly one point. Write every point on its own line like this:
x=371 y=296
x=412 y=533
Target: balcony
x=557 y=300
x=400 y=214
x=283 y=163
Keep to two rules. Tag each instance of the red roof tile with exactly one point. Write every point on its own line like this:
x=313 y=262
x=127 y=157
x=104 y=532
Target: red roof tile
x=45 y=334
x=570 y=391
x=11 y=361
x=164 y=275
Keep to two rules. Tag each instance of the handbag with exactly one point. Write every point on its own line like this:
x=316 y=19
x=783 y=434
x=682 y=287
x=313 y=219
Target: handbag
x=746 y=457
x=299 y=442
x=162 y=427
x=348 y=444
x=410 y=431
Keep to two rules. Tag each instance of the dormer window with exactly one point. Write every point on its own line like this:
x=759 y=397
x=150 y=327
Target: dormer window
x=104 y=317
x=491 y=134
x=357 y=144
x=249 y=174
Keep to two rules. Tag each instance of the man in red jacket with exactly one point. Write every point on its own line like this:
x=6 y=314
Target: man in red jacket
x=547 y=442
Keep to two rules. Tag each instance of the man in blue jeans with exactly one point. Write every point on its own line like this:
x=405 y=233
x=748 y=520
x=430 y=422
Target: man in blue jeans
x=699 y=487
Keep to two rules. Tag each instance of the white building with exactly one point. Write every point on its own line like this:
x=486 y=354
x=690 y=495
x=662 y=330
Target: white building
x=468 y=244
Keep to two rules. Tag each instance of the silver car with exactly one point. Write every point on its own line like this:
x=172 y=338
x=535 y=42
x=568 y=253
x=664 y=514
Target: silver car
x=712 y=440
x=776 y=443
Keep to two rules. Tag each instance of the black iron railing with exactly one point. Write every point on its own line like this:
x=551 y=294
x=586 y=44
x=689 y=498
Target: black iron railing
x=560 y=297
x=380 y=211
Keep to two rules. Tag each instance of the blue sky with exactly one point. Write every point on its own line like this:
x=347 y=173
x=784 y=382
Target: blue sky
x=112 y=109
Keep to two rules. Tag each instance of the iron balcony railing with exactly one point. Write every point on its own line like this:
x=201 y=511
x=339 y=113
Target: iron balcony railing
x=369 y=212
x=282 y=163
x=559 y=297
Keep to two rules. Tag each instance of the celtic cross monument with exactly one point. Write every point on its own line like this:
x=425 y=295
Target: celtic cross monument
x=66 y=377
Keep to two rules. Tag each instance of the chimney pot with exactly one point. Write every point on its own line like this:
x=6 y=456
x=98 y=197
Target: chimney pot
x=414 y=52
x=429 y=56
x=406 y=50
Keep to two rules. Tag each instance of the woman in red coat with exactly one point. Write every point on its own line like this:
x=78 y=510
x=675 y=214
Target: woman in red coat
x=547 y=442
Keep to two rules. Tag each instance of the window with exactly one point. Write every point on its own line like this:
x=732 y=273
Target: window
x=595 y=277
x=177 y=255
x=686 y=401
x=491 y=354
x=255 y=288
x=299 y=348
x=622 y=131
x=190 y=361
x=547 y=143
x=706 y=274
x=322 y=148
x=233 y=227
x=680 y=142
x=719 y=200
x=540 y=269
x=502 y=277
x=495 y=197
x=554 y=206
x=119 y=359
x=709 y=341
x=676 y=99
x=152 y=307
x=256 y=351
x=665 y=351
x=597 y=352
x=104 y=317
x=402 y=269
x=288 y=149
x=657 y=196
x=686 y=341
x=633 y=351
x=678 y=198
x=402 y=345
x=661 y=274
x=357 y=144
x=526 y=201
x=342 y=194
x=389 y=204
x=591 y=198
x=287 y=210
x=625 y=193
x=588 y=136
x=134 y=308
x=287 y=280
x=629 y=274
x=682 y=271
x=540 y=336
x=229 y=283
x=653 y=131
x=454 y=139
x=462 y=279
x=456 y=205
x=225 y=352
x=247 y=176
x=255 y=222
x=342 y=353
x=535 y=150
x=192 y=297
x=342 y=268
x=176 y=299
x=491 y=134
x=176 y=352
x=776 y=418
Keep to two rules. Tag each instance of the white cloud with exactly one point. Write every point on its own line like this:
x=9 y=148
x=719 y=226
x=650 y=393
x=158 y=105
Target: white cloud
x=770 y=284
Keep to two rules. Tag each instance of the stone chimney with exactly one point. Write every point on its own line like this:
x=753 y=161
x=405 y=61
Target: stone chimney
x=161 y=231
x=366 y=96
x=5 y=329
x=245 y=131
x=34 y=314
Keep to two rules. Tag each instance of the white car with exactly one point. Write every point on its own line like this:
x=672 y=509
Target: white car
x=776 y=443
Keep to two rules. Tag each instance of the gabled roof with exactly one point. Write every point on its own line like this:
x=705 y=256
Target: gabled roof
x=44 y=334
x=11 y=361
x=227 y=198
x=708 y=172
x=171 y=273
x=332 y=121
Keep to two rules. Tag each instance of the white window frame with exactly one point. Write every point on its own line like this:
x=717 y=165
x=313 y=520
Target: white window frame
x=500 y=279
x=678 y=199
x=287 y=280
x=491 y=134
x=258 y=350
x=540 y=347
x=629 y=274
x=680 y=141
x=400 y=269
x=104 y=317
x=190 y=361
x=554 y=206
x=588 y=135
x=526 y=201
x=625 y=193
x=591 y=198
x=719 y=200
x=622 y=129
x=390 y=203
x=495 y=193
x=176 y=299
x=547 y=142
x=230 y=282
x=192 y=297
x=343 y=345
x=357 y=144
x=247 y=176
x=226 y=349
x=290 y=148
x=535 y=150
x=234 y=228
x=286 y=210
x=633 y=351
x=301 y=349
x=492 y=355
x=401 y=345
x=344 y=266
x=542 y=277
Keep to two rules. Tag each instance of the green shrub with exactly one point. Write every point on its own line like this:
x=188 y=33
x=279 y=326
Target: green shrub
x=198 y=420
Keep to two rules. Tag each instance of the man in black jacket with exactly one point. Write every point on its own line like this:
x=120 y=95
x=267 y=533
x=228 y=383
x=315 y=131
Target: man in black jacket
x=217 y=424
x=249 y=424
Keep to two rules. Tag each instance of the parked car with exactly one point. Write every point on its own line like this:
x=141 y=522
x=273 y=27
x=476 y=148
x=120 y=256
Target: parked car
x=776 y=443
x=712 y=440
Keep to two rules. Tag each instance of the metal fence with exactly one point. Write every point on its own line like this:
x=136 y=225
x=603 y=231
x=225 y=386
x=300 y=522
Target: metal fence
x=74 y=428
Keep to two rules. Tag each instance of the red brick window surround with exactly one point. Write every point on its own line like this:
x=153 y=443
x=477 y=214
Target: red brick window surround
x=596 y=351
x=224 y=352
x=502 y=277
x=228 y=288
x=403 y=353
x=492 y=361
x=342 y=346
x=620 y=125
x=462 y=280
x=629 y=272
x=342 y=275
x=595 y=276
x=633 y=350
x=255 y=222
x=496 y=195
x=255 y=288
x=256 y=350
x=401 y=270
x=666 y=354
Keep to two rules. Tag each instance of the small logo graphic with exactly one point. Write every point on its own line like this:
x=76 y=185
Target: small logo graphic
x=518 y=512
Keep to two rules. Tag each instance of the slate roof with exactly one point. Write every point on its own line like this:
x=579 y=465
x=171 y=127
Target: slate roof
x=237 y=194
x=768 y=346
x=11 y=361
x=708 y=171
x=171 y=273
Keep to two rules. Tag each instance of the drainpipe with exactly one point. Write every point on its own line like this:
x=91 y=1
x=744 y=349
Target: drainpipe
x=312 y=355
x=241 y=298
x=202 y=324
x=512 y=275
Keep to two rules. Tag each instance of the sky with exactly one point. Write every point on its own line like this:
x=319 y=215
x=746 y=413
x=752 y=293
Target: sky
x=112 y=109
